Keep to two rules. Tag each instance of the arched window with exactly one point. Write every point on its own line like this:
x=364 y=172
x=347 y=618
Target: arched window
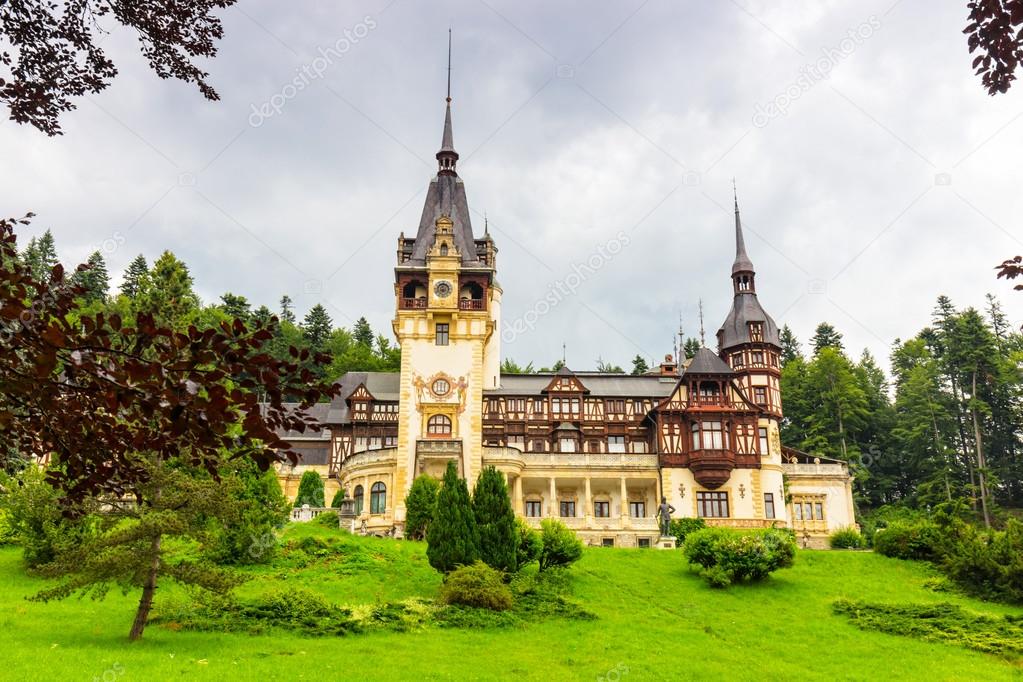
x=438 y=425
x=358 y=499
x=377 y=498
x=444 y=249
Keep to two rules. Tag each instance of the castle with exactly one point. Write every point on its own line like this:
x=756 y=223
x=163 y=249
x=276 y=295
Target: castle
x=595 y=450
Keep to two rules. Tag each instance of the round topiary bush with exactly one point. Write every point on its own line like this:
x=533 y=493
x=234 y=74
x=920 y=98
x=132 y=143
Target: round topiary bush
x=477 y=585
x=727 y=556
x=846 y=538
x=913 y=540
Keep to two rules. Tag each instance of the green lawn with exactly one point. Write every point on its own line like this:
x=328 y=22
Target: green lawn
x=656 y=620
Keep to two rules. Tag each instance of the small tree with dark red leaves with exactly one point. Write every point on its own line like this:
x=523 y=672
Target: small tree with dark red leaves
x=996 y=29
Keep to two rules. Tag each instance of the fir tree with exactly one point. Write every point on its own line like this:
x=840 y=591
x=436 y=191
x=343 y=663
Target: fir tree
x=235 y=306
x=639 y=365
x=363 y=333
x=316 y=327
x=825 y=336
x=287 y=312
x=419 y=506
x=133 y=276
x=94 y=279
x=453 y=539
x=310 y=490
x=790 y=349
x=166 y=291
x=495 y=520
x=690 y=347
x=263 y=315
x=263 y=509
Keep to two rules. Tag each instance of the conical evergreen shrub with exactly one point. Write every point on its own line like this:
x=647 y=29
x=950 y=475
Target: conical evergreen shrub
x=495 y=520
x=452 y=538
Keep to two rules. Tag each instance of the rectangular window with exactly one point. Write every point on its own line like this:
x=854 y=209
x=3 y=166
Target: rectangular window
x=818 y=509
x=758 y=358
x=760 y=395
x=768 y=505
x=375 y=443
x=638 y=408
x=534 y=508
x=539 y=446
x=712 y=504
x=593 y=446
x=644 y=543
x=616 y=443
x=808 y=511
x=390 y=441
x=602 y=509
x=442 y=333
x=762 y=433
x=567 y=508
x=713 y=436
x=539 y=406
x=637 y=510
x=517 y=442
x=737 y=361
x=797 y=511
x=567 y=445
x=517 y=405
x=615 y=406
x=607 y=542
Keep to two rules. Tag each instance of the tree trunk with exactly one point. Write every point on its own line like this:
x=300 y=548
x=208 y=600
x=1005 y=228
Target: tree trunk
x=148 y=591
x=980 y=453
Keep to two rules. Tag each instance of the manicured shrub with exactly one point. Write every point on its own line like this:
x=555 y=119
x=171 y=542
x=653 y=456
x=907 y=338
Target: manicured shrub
x=419 y=505
x=335 y=502
x=452 y=538
x=310 y=490
x=328 y=519
x=846 y=538
x=495 y=520
x=727 y=556
x=909 y=540
x=682 y=527
x=476 y=585
x=529 y=544
x=559 y=545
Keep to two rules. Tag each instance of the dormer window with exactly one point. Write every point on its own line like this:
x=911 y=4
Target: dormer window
x=756 y=331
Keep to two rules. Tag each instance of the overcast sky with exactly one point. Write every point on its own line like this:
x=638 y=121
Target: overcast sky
x=874 y=173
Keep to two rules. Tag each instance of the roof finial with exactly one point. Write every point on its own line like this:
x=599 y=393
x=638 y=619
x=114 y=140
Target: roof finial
x=680 y=342
x=564 y=362
x=449 y=63
x=735 y=195
x=703 y=341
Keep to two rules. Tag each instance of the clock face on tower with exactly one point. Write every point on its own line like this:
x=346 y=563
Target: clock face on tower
x=442 y=289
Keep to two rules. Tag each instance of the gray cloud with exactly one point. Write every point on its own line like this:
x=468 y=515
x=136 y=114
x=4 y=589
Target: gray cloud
x=881 y=186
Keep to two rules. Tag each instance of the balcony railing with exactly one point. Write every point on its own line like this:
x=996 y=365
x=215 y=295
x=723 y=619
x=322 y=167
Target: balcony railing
x=471 y=304
x=589 y=459
x=413 y=303
x=829 y=469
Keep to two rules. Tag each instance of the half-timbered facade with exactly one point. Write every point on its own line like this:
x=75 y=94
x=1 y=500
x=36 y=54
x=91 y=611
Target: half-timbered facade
x=596 y=450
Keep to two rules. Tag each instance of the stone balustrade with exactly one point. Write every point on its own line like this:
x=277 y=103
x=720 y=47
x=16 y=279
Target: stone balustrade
x=823 y=469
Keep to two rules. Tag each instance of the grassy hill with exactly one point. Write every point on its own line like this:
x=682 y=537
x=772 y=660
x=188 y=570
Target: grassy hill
x=655 y=620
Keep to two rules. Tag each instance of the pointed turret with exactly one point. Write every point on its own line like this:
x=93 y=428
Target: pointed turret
x=746 y=322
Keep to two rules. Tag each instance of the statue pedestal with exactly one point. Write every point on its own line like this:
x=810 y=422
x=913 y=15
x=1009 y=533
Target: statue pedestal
x=665 y=542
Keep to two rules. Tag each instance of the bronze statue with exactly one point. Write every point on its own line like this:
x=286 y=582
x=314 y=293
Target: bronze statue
x=664 y=512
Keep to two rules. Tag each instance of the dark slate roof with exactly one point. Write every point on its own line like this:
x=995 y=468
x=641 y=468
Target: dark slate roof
x=706 y=361
x=381 y=385
x=742 y=262
x=599 y=384
x=318 y=412
x=735 y=330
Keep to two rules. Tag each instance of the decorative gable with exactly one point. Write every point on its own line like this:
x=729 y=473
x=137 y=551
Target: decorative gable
x=565 y=383
x=360 y=393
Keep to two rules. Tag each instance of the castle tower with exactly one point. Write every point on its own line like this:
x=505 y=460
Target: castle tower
x=749 y=342
x=447 y=313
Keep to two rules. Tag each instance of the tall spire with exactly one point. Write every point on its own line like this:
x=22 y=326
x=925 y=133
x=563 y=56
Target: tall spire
x=447 y=157
x=742 y=261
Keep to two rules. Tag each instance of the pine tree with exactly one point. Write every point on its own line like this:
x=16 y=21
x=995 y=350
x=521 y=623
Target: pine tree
x=263 y=509
x=690 y=347
x=235 y=306
x=94 y=280
x=639 y=365
x=825 y=336
x=790 y=349
x=840 y=406
x=453 y=539
x=166 y=291
x=419 y=506
x=133 y=276
x=130 y=548
x=310 y=490
x=263 y=315
x=287 y=312
x=363 y=333
x=495 y=520
x=316 y=327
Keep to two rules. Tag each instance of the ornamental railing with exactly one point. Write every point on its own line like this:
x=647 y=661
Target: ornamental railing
x=600 y=459
x=471 y=304
x=413 y=303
